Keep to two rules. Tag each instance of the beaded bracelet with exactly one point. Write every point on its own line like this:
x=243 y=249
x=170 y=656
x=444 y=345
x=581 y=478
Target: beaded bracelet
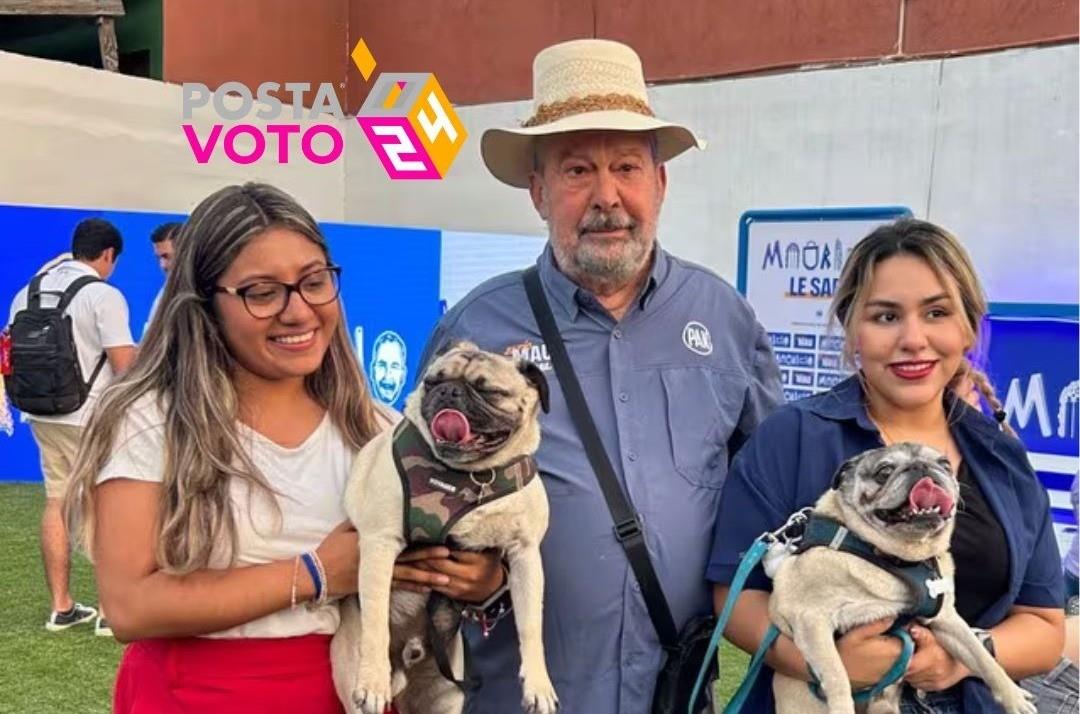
x=324 y=595
x=322 y=592
x=295 y=575
x=317 y=577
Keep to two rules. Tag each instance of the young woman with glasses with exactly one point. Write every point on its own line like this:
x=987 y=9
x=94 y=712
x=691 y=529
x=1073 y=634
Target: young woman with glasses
x=210 y=481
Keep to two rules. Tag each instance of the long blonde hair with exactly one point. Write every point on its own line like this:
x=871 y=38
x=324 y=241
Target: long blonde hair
x=185 y=364
x=952 y=266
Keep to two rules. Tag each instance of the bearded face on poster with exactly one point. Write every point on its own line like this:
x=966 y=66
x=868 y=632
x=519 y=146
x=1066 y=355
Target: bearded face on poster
x=387 y=371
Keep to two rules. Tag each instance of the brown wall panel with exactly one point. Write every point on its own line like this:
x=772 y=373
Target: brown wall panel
x=215 y=41
x=701 y=38
x=481 y=50
x=948 y=26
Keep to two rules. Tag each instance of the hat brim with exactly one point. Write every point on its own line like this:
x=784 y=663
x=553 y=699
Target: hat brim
x=508 y=153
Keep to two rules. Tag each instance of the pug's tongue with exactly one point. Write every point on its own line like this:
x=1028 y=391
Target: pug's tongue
x=927 y=494
x=450 y=425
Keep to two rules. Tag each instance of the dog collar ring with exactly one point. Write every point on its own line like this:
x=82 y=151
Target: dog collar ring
x=484 y=486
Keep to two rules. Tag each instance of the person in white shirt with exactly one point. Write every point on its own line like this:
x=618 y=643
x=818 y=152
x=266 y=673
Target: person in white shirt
x=162 y=241
x=99 y=316
x=211 y=487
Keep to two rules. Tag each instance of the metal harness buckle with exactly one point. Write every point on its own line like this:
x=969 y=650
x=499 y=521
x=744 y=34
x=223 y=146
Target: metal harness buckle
x=628 y=529
x=793 y=529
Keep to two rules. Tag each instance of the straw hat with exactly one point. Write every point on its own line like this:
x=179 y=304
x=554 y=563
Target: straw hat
x=581 y=85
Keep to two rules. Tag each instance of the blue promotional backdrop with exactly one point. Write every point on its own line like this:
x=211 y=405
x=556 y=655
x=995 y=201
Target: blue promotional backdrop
x=390 y=287
x=1033 y=364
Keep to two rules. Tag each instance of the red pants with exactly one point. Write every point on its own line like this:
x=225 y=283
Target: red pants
x=219 y=676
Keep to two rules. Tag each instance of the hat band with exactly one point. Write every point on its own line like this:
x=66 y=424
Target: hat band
x=548 y=113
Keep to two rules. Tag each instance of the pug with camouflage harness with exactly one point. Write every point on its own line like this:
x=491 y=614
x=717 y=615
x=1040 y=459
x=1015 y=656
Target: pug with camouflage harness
x=457 y=470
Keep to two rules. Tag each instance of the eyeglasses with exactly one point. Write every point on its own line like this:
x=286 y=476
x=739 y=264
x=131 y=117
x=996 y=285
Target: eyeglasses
x=268 y=299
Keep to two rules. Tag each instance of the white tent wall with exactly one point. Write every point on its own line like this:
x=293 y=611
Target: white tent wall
x=75 y=136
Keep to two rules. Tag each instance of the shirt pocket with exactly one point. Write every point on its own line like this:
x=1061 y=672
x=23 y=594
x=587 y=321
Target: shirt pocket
x=703 y=406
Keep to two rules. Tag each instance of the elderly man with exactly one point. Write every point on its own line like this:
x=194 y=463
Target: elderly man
x=673 y=365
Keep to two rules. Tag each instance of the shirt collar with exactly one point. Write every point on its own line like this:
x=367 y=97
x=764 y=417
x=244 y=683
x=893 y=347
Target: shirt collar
x=845 y=402
x=572 y=298
x=75 y=266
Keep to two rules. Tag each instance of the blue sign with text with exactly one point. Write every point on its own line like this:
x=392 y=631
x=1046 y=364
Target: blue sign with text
x=1033 y=365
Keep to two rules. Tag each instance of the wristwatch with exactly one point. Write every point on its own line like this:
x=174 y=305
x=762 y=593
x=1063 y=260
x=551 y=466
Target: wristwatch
x=987 y=639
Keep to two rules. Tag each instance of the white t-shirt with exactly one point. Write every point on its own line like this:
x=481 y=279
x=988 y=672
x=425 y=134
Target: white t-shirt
x=153 y=311
x=99 y=317
x=309 y=478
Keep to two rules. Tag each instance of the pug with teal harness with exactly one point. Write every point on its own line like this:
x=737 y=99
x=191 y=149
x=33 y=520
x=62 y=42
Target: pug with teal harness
x=875 y=546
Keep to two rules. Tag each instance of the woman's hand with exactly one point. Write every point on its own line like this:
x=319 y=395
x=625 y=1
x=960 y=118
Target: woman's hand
x=932 y=668
x=868 y=653
x=459 y=574
x=340 y=556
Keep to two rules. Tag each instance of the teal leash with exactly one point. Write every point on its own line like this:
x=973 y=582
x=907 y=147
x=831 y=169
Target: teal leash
x=861 y=697
x=746 y=566
x=749 y=561
x=739 y=698
x=890 y=678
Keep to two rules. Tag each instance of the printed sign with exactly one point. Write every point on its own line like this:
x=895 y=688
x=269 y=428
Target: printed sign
x=789 y=266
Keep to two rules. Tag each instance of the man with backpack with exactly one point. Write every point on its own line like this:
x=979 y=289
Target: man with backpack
x=69 y=336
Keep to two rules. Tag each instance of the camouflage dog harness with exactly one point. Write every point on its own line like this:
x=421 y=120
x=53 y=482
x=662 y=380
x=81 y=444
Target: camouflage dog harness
x=437 y=496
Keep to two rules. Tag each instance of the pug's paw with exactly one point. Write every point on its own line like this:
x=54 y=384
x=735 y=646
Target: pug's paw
x=538 y=694
x=1016 y=700
x=372 y=693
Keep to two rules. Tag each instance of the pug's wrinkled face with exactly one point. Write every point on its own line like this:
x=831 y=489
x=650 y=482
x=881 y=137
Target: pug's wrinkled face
x=905 y=490
x=475 y=404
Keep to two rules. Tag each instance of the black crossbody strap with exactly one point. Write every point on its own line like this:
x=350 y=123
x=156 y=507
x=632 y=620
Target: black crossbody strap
x=437 y=641
x=33 y=293
x=65 y=300
x=627 y=524
x=76 y=285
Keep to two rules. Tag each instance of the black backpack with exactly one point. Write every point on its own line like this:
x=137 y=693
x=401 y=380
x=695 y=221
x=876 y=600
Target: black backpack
x=46 y=378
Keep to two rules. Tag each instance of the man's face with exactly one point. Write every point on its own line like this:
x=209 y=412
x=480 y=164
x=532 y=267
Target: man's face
x=600 y=193
x=388 y=371
x=164 y=253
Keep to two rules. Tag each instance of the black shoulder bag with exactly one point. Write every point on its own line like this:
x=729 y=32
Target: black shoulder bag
x=46 y=376
x=686 y=650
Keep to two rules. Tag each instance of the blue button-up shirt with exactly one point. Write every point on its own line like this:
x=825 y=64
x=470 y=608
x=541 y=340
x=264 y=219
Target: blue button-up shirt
x=673 y=387
x=790 y=461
